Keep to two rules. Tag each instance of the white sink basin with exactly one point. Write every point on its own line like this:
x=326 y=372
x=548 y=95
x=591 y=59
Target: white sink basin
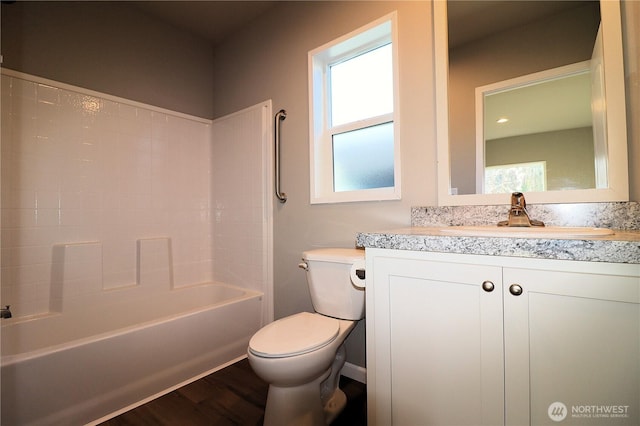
x=522 y=232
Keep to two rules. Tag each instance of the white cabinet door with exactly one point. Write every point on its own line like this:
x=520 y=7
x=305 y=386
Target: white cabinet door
x=434 y=342
x=572 y=348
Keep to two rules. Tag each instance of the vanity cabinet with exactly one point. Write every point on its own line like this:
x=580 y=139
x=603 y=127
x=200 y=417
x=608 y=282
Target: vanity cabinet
x=484 y=340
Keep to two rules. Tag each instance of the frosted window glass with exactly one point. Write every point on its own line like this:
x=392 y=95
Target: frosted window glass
x=363 y=159
x=362 y=87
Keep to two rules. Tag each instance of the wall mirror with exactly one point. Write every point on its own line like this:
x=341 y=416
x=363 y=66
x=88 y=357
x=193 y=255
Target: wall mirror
x=530 y=97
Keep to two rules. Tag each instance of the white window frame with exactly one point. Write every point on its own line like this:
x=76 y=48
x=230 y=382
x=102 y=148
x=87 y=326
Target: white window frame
x=376 y=34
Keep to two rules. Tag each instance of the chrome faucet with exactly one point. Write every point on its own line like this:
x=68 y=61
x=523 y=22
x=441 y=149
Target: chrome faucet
x=518 y=215
x=5 y=312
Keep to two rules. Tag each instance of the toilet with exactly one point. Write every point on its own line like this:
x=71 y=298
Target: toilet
x=301 y=355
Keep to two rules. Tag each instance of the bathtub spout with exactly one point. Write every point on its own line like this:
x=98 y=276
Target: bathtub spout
x=5 y=312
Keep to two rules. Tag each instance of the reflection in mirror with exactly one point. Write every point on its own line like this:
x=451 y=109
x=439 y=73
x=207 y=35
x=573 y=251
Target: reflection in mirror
x=535 y=133
x=519 y=44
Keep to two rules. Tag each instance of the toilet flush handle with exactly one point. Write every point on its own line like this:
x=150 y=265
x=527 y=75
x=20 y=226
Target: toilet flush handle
x=303 y=265
x=358 y=274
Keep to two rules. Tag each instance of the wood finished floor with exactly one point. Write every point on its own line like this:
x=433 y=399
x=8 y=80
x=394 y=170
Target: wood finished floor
x=231 y=396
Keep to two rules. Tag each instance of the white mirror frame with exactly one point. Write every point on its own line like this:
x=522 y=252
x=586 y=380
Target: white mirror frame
x=510 y=84
x=618 y=189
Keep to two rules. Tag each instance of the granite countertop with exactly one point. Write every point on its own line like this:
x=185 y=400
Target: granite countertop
x=425 y=233
x=621 y=247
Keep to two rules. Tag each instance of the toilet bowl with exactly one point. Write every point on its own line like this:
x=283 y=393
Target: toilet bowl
x=301 y=355
x=296 y=392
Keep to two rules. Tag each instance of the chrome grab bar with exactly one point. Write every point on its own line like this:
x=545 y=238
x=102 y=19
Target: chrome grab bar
x=280 y=116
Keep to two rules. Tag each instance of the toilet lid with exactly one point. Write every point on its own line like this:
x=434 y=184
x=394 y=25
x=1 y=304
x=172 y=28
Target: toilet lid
x=294 y=335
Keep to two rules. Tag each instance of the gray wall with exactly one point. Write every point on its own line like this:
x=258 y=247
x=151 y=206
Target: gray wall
x=631 y=45
x=568 y=155
x=112 y=48
x=269 y=60
x=107 y=47
x=518 y=51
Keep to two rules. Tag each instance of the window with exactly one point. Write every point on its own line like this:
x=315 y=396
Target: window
x=522 y=177
x=354 y=148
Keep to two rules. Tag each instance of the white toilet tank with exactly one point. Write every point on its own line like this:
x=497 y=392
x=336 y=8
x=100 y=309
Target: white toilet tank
x=328 y=275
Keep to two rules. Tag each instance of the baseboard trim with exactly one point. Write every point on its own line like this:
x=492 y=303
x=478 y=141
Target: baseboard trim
x=354 y=372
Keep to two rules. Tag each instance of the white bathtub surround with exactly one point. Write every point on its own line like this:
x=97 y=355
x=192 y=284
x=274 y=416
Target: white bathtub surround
x=242 y=194
x=84 y=167
x=80 y=166
x=155 y=262
x=122 y=281
x=77 y=274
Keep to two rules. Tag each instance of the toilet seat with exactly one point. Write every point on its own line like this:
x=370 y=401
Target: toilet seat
x=294 y=335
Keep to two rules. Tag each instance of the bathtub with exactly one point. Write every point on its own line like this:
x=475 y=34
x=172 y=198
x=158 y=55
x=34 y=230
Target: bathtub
x=86 y=365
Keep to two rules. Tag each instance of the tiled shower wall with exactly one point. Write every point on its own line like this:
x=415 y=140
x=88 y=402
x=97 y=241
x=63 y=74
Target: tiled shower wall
x=241 y=206
x=84 y=170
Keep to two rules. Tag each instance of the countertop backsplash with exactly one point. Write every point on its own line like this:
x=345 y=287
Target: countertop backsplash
x=620 y=215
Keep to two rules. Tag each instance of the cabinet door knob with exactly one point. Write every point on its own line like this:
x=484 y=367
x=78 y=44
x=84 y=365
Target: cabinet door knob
x=515 y=289
x=488 y=286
